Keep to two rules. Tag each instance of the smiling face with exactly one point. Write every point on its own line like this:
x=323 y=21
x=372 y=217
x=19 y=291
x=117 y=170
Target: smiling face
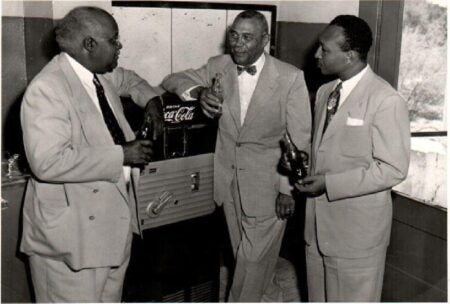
x=331 y=59
x=104 y=56
x=247 y=41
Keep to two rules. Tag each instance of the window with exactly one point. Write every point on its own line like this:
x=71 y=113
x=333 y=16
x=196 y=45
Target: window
x=422 y=77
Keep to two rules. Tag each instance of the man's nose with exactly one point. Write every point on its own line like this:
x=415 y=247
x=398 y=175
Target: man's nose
x=239 y=41
x=318 y=53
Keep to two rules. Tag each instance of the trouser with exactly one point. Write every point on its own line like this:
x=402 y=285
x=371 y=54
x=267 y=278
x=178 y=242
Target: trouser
x=256 y=243
x=335 y=279
x=54 y=281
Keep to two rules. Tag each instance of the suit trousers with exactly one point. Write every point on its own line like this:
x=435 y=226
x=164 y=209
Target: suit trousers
x=54 y=281
x=336 y=279
x=256 y=243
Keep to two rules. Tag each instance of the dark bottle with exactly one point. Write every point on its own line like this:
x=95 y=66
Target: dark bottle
x=146 y=130
x=298 y=160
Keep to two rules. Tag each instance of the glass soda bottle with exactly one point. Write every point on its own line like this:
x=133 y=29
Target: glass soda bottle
x=298 y=160
x=146 y=130
x=217 y=91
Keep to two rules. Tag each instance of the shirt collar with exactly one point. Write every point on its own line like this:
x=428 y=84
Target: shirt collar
x=350 y=83
x=259 y=63
x=84 y=74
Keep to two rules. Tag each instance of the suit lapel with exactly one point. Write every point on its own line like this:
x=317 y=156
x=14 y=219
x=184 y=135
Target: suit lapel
x=354 y=106
x=321 y=110
x=266 y=86
x=231 y=94
x=94 y=128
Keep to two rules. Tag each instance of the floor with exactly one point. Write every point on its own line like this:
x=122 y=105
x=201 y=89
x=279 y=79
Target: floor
x=285 y=276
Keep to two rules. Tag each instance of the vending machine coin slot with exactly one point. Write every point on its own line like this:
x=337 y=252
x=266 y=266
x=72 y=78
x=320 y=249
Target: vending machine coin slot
x=195 y=181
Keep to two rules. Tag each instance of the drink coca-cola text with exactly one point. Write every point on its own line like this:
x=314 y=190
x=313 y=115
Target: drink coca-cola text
x=180 y=114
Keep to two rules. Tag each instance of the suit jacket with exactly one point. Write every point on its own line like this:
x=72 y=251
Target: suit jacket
x=251 y=152
x=363 y=153
x=77 y=207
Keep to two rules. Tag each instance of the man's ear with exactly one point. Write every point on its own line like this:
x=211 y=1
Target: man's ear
x=351 y=56
x=89 y=43
x=266 y=39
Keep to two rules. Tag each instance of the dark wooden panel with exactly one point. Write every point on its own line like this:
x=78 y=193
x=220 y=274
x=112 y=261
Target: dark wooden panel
x=296 y=44
x=14 y=82
x=16 y=286
x=401 y=287
x=432 y=220
x=40 y=44
x=385 y=19
x=416 y=262
x=419 y=254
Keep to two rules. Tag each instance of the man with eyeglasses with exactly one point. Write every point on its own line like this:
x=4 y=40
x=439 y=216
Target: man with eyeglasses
x=256 y=99
x=78 y=214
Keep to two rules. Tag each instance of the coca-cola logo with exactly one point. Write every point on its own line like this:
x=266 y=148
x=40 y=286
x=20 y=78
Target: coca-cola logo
x=179 y=115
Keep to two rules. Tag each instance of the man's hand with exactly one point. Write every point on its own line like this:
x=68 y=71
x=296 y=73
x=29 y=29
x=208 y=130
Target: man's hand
x=312 y=185
x=137 y=153
x=154 y=109
x=211 y=105
x=285 y=206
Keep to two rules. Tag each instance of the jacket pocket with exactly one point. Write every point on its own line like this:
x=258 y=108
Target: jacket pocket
x=355 y=141
x=52 y=203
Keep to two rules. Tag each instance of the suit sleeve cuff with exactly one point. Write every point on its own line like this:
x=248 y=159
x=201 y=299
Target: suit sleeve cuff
x=186 y=95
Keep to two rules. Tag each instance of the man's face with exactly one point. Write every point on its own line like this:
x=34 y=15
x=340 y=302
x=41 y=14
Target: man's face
x=106 y=52
x=247 y=41
x=330 y=58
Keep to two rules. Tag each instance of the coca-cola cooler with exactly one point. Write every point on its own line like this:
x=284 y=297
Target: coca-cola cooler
x=176 y=259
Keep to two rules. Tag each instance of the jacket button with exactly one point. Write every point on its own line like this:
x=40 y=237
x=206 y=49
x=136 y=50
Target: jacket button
x=95 y=190
x=238 y=144
x=232 y=167
x=91 y=217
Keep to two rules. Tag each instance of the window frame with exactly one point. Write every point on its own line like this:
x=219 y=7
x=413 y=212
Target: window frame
x=385 y=19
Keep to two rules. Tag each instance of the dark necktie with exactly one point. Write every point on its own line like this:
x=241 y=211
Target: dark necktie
x=332 y=105
x=249 y=69
x=108 y=115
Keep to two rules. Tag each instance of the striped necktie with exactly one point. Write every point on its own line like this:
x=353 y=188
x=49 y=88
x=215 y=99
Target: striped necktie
x=108 y=115
x=332 y=105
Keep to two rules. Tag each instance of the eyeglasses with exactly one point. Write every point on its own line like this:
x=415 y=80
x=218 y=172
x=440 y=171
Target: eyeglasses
x=115 y=41
x=246 y=38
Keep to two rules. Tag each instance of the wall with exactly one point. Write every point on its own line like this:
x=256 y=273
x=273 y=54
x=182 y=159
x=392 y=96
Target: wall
x=172 y=39
x=28 y=44
x=299 y=25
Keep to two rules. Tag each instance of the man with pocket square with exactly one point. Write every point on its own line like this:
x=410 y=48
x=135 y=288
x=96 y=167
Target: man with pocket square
x=360 y=151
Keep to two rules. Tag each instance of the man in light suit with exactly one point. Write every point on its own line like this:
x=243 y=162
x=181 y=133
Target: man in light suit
x=262 y=99
x=79 y=210
x=360 y=151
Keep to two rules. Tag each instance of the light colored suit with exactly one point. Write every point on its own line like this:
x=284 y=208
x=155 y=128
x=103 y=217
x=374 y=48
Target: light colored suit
x=77 y=208
x=363 y=153
x=246 y=157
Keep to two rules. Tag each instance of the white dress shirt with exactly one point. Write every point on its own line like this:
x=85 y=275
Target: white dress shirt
x=86 y=77
x=247 y=85
x=349 y=84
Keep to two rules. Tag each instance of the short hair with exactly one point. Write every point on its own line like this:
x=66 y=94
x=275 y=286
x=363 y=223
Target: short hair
x=252 y=14
x=358 y=36
x=70 y=30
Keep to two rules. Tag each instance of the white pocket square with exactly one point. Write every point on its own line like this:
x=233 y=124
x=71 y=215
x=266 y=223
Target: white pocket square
x=354 y=121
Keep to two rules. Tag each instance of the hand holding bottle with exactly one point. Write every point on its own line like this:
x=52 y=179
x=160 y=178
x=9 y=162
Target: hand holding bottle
x=211 y=99
x=297 y=160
